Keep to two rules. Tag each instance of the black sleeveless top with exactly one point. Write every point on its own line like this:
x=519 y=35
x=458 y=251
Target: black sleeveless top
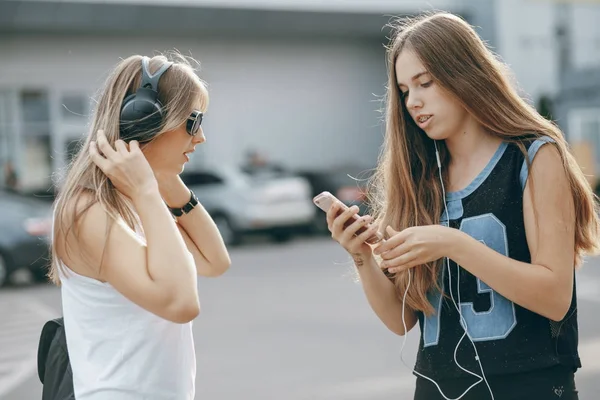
x=509 y=338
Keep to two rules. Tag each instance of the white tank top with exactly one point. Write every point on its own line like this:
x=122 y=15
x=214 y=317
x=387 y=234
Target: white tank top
x=118 y=350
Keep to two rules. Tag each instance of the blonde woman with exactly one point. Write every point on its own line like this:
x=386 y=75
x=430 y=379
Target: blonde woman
x=130 y=238
x=486 y=215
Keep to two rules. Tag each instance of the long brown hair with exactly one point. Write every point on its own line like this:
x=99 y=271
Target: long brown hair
x=405 y=189
x=179 y=90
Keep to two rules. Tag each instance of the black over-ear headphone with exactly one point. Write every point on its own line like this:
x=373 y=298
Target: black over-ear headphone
x=141 y=112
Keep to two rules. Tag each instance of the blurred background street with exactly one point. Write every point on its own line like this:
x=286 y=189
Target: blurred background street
x=295 y=108
x=286 y=322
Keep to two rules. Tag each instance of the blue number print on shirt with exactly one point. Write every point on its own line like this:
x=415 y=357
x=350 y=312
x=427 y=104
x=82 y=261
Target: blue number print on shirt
x=500 y=319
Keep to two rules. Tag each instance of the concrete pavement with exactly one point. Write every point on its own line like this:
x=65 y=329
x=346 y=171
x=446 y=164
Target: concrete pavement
x=286 y=322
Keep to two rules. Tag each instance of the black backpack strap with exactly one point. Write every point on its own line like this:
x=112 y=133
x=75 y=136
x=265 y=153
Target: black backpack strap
x=48 y=334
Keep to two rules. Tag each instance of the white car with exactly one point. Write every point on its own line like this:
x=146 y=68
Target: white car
x=243 y=203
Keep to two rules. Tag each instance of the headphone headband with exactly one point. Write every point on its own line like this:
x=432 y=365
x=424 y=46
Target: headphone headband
x=149 y=79
x=141 y=112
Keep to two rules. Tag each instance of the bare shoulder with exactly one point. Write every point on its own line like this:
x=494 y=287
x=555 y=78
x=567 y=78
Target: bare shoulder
x=549 y=212
x=548 y=162
x=548 y=190
x=549 y=176
x=83 y=235
x=68 y=234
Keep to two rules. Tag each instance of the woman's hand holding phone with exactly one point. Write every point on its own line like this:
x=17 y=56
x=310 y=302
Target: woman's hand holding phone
x=347 y=234
x=351 y=231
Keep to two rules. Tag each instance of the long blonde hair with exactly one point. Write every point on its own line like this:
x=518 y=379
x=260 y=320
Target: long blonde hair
x=405 y=189
x=179 y=90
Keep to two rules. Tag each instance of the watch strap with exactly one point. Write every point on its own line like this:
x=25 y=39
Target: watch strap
x=189 y=206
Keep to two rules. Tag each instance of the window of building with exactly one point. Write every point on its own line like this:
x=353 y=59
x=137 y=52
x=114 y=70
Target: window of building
x=8 y=137
x=36 y=161
x=74 y=106
x=584 y=138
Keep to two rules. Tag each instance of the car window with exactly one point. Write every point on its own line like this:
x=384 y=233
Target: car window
x=264 y=173
x=201 y=178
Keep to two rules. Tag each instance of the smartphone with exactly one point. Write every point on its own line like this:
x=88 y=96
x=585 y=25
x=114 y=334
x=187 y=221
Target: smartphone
x=325 y=200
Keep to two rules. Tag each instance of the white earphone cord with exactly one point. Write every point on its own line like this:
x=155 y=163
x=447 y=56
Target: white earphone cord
x=463 y=321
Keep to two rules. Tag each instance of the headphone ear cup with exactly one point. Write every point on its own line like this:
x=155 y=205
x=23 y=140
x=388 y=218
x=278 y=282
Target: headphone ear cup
x=141 y=116
x=126 y=104
x=127 y=118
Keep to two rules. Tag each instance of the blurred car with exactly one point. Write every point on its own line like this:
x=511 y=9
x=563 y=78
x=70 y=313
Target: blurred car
x=24 y=235
x=347 y=183
x=253 y=202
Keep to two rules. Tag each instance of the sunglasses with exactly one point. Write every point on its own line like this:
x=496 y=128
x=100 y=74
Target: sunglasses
x=193 y=122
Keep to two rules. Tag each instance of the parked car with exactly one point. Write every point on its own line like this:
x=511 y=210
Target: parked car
x=243 y=203
x=24 y=235
x=347 y=183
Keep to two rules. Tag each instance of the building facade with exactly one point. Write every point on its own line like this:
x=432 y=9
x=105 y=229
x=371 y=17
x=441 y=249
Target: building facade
x=577 y=104
x=300 y=81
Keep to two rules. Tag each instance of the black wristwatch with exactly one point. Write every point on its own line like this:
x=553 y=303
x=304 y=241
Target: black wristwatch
x=189 y=206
